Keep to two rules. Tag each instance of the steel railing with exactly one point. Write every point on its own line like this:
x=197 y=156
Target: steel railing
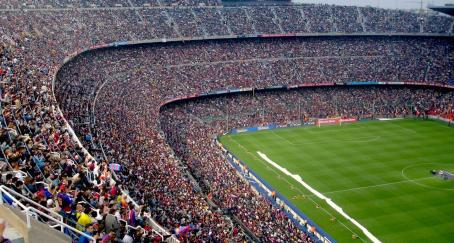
x=31 y=211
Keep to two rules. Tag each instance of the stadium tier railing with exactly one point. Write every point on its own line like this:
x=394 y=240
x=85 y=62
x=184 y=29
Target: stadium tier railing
x=16 y=195
x=54 y=220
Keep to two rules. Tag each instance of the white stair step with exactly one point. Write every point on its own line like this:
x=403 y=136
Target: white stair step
x=12 y=234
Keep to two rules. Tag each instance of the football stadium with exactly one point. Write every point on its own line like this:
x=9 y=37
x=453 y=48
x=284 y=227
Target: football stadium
x=225 y=121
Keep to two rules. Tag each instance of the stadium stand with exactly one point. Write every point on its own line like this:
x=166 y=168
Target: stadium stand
x=284 y=108
x=194 y=71
x=97 y=185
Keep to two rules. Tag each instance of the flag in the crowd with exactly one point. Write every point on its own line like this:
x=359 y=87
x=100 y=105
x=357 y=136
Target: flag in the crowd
x=182 y=230
x=115 y=167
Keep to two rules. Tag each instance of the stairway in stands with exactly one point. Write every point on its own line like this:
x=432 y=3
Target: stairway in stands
x=18 y=231
x=12 y=233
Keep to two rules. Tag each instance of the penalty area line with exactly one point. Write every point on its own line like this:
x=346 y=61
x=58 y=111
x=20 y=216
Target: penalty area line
x=321 y=196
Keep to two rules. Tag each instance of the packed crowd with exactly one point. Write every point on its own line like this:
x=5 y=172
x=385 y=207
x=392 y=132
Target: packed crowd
x=132 y=23
x=284 y=107
x=104 y=95
x=176 y=199
x=41 y=161
x=104 y=98
x=202 y=67
x=31 y=4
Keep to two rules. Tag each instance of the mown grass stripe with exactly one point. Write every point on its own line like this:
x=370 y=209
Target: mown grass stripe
x=401 y=212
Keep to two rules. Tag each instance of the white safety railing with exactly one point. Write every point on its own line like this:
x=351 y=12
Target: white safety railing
x=14 y=194
x=157 y=228
x=33 y=212
x=3 y=192
x=128 y=226
x=22 y=173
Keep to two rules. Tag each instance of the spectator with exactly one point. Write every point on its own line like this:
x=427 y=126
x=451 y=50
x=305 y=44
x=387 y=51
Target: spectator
x=89 y=231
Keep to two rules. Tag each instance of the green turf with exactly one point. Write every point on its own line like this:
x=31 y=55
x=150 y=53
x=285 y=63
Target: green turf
x=377 y=171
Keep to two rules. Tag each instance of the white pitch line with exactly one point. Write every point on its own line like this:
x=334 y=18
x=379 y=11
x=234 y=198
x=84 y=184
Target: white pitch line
x=379 y=185
x=321 y=196
x=291 y=185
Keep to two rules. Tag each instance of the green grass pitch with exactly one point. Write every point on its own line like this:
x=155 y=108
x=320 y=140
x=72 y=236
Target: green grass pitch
x=377 y=171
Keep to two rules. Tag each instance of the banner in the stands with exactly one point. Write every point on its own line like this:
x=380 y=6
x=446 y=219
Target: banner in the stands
x=252 y=129
x=363 y=83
